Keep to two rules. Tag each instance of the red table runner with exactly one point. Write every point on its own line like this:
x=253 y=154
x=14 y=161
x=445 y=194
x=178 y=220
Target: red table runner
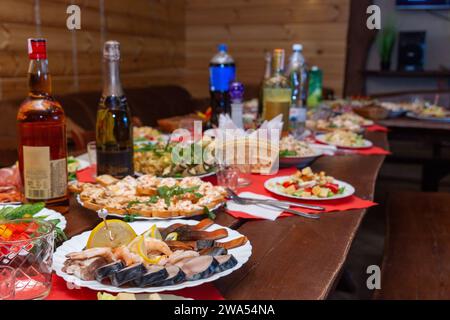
x=376 y=127
x=257 y=186
x=61 y=291
x=371 y=151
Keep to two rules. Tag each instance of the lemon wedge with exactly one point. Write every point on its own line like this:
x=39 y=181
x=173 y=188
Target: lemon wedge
x=141 y=250
x=120 y=232
x=153 y=232
x=173 y=236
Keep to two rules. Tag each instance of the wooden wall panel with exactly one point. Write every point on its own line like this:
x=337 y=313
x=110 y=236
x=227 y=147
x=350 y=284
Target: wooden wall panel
x=151 y=33
x=250 y=27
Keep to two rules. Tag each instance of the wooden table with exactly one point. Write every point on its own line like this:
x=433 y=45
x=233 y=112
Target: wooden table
x=293 y=258
x=435 y=134
x=415 y=124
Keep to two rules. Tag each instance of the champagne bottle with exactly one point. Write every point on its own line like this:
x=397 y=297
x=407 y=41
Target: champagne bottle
x=114 y=132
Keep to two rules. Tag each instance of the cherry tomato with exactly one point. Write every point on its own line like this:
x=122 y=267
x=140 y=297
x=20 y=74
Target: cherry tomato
x=333 y=187
x=287 y=184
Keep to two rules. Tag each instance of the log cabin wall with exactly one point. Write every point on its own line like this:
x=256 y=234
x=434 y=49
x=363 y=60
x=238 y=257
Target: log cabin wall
x=151 y=33
x=250 y=27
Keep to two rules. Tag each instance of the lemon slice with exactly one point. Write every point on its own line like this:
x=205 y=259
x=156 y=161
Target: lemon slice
x=153 y=232
x=142 y=251
x=120 y=231
x=173 y=236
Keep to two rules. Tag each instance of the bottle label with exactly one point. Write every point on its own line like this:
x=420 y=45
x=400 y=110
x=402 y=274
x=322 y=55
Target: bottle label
x=43 y=178
x=220 y=77
x=297 y=114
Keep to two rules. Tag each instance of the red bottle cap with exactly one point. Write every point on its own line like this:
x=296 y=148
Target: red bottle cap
x=37 y=48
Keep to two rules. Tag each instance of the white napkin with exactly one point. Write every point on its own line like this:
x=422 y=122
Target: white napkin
x=228 y=129
x=260 y=211
x=326 y=149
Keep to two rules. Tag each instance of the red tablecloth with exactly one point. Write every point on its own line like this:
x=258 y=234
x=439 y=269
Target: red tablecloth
x=87 y=174
x=377 y=127
x=61 y=291
x=257 y=186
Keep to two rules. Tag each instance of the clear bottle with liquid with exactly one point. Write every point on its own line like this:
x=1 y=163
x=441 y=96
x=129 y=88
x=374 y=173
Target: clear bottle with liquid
x=277 y=91
x=297 y=74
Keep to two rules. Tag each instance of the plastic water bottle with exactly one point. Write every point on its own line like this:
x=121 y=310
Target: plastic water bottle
x=222 y=71
x=297 y=74
x=237 y=103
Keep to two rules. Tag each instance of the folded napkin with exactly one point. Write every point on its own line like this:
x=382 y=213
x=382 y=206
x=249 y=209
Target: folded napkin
x=327 y=150
x=258 y=211
x=263 y=143
x=61 y=291
x=257 y=186
x=376 y=127
x=87 y=174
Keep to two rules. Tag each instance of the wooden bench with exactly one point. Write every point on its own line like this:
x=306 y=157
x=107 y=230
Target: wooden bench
x=417 y=251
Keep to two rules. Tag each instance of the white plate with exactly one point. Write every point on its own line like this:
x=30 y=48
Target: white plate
x=205 y=175
x=271 y=186
x=300 y=161
x=51 y=215
x=77 y=243
x=146 y=218
x=419 y=117
x=367 y=143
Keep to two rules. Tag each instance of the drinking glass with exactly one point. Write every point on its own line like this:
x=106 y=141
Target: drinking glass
x=31 y=257
x=7 y=283
x=227 y=176
x=92 y=152
x=245 y=172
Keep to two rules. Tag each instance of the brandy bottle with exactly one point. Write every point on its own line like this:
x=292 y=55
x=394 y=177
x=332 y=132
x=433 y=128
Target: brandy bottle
x=42 y=145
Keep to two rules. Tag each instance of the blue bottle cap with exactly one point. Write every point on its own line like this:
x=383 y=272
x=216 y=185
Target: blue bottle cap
x=236 y=91
x=223 y=47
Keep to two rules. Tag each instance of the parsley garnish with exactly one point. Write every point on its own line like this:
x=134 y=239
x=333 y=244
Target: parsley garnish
x=130 y=217
x=208 y=212
x=287 y=153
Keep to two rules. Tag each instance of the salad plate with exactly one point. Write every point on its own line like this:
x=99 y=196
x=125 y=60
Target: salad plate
x=429 y=118
x=306 y=185
x=362 y=144
x=44 y=214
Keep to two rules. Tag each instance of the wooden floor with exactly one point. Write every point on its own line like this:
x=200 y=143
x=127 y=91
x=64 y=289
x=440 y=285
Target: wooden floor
x=417 y=253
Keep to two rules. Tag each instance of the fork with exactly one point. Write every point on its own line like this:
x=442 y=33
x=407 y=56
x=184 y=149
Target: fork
x=270 y=201
x=239 y=200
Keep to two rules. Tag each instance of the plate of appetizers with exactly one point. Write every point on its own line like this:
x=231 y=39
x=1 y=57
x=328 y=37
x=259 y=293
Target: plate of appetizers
x=130 y=215
x=294 y=152
x=150 y=197
x=348 y=121
x=32 y=211
x=433 y=113
x=396 y=109
x=344 y=139
x=307 y=185
x=146 y=257
x=138 y=296
x=145 y=134
x=175 y=159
